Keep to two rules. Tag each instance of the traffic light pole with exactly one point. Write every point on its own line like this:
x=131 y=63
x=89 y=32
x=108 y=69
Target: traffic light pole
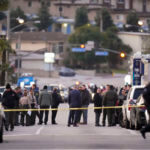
x=112 y=51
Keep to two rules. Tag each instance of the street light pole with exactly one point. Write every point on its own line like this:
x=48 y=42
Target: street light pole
x=7 y=38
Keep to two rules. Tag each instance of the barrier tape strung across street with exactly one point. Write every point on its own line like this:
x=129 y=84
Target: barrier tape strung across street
x=65 y=109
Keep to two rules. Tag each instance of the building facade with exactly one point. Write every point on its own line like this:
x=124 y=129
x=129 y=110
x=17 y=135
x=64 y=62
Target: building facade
x=67 y=8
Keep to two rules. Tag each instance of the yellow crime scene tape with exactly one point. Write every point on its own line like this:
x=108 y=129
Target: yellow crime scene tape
x=65 y=109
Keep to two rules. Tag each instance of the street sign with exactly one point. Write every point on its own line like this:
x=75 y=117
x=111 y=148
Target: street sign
x=49 y=57
x=136 y=72
x=89 y=46
x=101 y=53
x=78 y=50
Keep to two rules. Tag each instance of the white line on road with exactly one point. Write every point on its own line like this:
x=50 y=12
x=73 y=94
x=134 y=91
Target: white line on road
x=17 y=135
x=39 y=130
x=133 y=132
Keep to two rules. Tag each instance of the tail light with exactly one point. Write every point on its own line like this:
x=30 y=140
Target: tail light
x=129 y=107
x=131 y=102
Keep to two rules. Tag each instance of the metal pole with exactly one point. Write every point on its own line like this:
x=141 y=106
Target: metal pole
x=101 y=21
x=7 y=38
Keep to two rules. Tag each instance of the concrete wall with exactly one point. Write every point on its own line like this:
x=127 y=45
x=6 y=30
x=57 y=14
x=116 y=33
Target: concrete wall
x=32 y=46
x=137 y=41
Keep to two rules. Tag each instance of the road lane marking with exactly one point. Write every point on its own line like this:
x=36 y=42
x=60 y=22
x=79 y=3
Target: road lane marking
x=39 y=130
x=17 y=135
x=133 y=132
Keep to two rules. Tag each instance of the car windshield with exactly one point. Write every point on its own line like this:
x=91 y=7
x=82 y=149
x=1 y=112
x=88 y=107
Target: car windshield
x=51 y=88
x=2 y=89
x=138 y=92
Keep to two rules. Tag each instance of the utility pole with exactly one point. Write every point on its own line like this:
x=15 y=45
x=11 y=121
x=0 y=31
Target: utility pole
x=101 y=21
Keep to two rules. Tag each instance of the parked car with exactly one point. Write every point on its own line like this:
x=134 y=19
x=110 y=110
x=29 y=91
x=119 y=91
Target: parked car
x=66 y=72
x=137 y=114
x=2 y=89
x=132 y=96
x=61 y=89
x=1 y=123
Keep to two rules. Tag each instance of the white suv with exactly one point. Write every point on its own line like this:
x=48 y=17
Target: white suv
x=132 y=96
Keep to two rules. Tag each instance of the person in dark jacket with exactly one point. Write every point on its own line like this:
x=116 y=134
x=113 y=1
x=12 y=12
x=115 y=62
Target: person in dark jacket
x=56 y=99
x=97 y=103
x=44 y=102
x=146 y=96
x=74 y=102
x=85 y=100
x=17 y=114
x=109 y=100
x=9 y=102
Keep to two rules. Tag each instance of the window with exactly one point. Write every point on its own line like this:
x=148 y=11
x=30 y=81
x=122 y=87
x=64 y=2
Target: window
x=30 y=3
x=61 y=47
x=106 y=1
x=120 y=1
x=48 y=4
x=93 y=1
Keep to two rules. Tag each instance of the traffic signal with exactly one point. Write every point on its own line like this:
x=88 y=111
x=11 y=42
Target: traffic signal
x=122 y=55
x=82 y=46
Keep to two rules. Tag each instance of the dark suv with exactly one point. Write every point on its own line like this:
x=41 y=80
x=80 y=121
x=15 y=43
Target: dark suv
x=1 y=123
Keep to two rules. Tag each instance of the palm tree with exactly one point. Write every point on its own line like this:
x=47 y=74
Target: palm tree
x=4 y=5
x=5 y=48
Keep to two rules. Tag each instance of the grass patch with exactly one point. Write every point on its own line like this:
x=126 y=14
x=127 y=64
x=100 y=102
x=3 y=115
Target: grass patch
x=121 y=71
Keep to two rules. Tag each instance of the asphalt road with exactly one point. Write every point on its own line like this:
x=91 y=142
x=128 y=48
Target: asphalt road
x=83 y=137
x=116 y=80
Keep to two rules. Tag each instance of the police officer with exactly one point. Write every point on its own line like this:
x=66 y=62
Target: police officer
x=109 y=100
x=74 y=102
x=45 y=100
x=9 y=102
x=56 y=99
x=146 y=96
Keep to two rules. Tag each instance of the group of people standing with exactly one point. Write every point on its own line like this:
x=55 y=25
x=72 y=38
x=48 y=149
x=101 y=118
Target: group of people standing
x=80 y=98
x=29 y=99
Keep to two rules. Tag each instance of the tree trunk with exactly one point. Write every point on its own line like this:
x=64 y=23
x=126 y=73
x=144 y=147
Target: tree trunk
x=3 y=72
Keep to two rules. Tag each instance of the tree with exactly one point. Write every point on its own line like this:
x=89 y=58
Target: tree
x=81 y=17
x=14 y=14
x=132 y=18
x=4 y=5
x=2 y=16
x=107 y=20
x=132 y=21
x=111 y=41
x=44 y=18
x=81 y=36
x=4 y=48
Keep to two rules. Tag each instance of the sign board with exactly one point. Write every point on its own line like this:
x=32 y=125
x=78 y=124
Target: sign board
x=80 y=50
x=49 y=57
x=136 y=72
x=89 y=46
x=101 y=53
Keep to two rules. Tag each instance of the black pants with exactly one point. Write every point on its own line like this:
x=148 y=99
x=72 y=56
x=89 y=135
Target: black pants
x=9 y=119
x=110 y=115
x=33 y=115
x=54 y=113
x=25 y=118
x=73 y=117
x=42 y=113
x=104 y=116
x=97 y=117
x=147 y=127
